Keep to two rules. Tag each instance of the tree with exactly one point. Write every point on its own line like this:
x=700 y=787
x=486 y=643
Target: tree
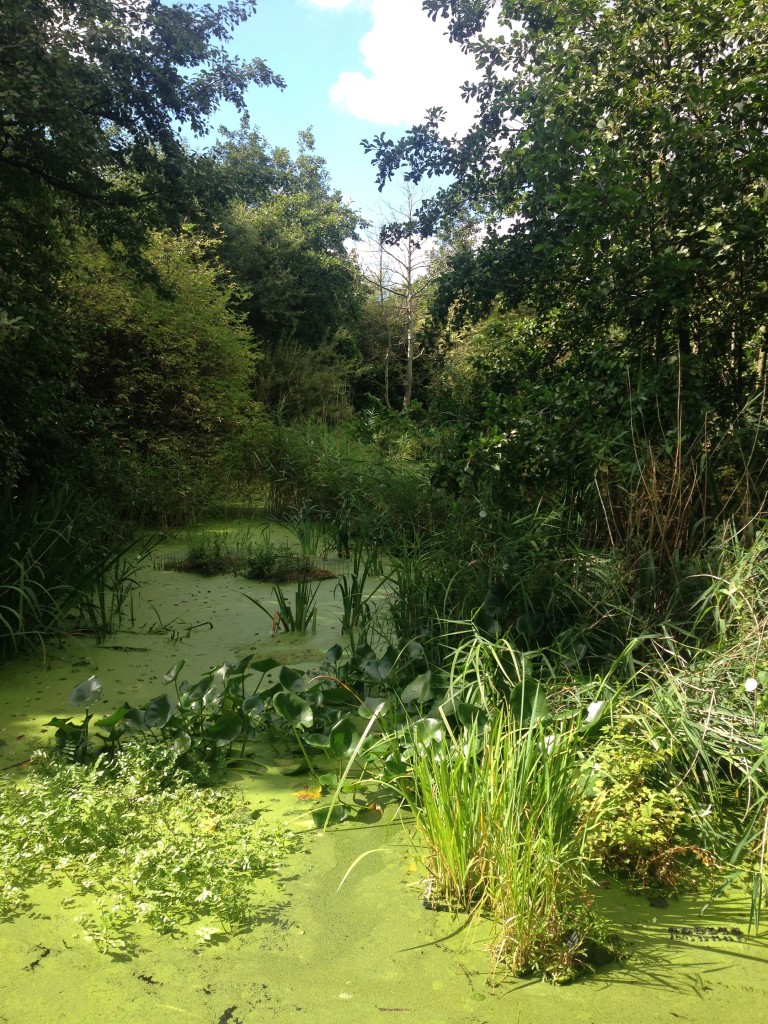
x=399 y=276
x=626 y=144
x=284 y=237
x=92 y=100
x=93 y=97
x=160 y=383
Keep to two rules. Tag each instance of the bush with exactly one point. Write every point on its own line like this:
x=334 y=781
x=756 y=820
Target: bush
x=360 y=491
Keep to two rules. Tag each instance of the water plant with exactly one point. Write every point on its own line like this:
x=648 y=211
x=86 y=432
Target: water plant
x=497 y=808
x=300 y=617
x=143 y=846
x=212 y=554
x=308 y=530
x=357 y=611
x=58 y=571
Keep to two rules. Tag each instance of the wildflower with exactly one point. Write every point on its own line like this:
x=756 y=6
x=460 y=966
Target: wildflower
x=751 y=685
x=483 y=514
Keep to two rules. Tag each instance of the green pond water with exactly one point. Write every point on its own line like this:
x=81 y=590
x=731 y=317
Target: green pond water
x=365 y=952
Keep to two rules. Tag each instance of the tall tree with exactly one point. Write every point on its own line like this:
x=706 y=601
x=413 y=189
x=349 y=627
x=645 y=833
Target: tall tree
x=93 y=97
x=284 y=236
x=626 y=144
x=399 y=274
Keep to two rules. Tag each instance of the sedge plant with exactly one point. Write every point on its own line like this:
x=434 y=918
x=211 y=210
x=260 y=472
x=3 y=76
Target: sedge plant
x=497 y=806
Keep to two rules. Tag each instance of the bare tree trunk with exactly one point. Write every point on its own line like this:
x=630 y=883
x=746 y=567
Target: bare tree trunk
x=389 y=332
x=409 y=318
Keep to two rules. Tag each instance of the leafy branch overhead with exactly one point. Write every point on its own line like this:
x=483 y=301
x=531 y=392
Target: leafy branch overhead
x=92 y=101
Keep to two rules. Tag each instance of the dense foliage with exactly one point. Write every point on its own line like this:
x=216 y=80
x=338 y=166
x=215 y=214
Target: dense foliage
x=131 y=840
x=627 y=146
x=140 y=281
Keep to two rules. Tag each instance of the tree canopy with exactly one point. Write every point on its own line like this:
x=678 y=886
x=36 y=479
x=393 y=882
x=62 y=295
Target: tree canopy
x=284 y=236
x=93 y=96
x=624 y=145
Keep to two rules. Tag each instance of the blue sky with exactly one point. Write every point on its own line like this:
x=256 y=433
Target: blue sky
x=353 y=68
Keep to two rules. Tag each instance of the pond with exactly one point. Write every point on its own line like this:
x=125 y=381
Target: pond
x=329 y=944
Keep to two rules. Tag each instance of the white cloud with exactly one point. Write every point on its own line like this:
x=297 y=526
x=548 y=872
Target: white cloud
x=411 y=66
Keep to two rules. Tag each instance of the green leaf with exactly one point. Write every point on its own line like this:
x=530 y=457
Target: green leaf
x=265 y=665
x=427 y=731
x=159 y=712
x=528 y=703
x=332 y=655
x=133 y=720
x=181 y=744
x=419 y=690
x=293 y=709
x=470 y=715
x=65 y=725
x=114 y=718
x=373 y=706
x=380 y=669
x=225 y=728
x=317 y=740
x=343 y=737
x=414 y=651
x=289 y=676
x=86 y=693
x=333 y=814
x=214 y=693
x=253 y=706
x=172 y=675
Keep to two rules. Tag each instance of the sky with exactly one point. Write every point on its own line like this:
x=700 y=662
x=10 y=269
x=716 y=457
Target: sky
x=353 y=68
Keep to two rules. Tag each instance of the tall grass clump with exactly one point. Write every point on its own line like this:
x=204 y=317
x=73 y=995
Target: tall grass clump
x=498 y=808
x=58 y=569
x=360 y=490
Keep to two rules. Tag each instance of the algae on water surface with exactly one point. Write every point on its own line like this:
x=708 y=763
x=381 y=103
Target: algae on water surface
x=363 y=953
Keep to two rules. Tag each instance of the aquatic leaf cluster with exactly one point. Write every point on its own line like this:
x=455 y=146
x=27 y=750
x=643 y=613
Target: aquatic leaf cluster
x=233 y=707
x=133 y=843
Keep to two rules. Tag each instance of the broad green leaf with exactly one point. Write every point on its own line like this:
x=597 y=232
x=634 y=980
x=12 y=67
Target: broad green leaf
x=265 y=665
x=159 y=712
x=86 y=693
x=333 y=814
x=253 y=706
x=414 y=651
x=419 y=690
x=528 y=702
x=181 y=744
x=470 y=714
x=114 y=718
x=317 y=740
x=293 y=709
x=343 y=737
x=289 y=676
x=427 y=731
x=224 y=728
x=172 y=675
x=332 y=655
x=373 y=706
